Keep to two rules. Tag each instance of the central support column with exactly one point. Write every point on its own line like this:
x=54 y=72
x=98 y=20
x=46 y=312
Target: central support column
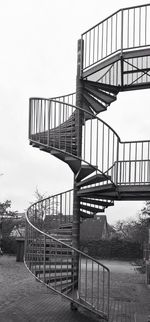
x=78 y=129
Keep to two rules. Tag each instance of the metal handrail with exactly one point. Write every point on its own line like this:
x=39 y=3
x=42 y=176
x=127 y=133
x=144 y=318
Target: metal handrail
x=38 y=251
x=114 y=150
x=116 y=33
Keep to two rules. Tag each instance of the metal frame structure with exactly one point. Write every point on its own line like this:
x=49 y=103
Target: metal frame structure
x=113 y=56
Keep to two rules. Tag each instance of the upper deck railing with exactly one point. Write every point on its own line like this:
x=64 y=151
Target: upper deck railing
x=126 y=29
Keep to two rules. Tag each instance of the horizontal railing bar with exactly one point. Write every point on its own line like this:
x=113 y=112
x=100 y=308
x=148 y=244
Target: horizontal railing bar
x=99 y=23
x=144 y=160
x=63 y=96
x=139 y=141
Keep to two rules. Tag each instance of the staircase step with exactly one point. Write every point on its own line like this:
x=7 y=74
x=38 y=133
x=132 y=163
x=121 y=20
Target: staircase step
x=85 y=215
x=65 y=231
x=93 y=179
x=93 y=103
x=84 y=171
x=106 y=87
x=58 y=154
x=88 y=109
x=97 y=202
x=56 y=270
x=66 y=225
x=73 y=163
x=53 y=279
x=100 y=95
x=90 y=208
x=64 y=288
x=99 y=189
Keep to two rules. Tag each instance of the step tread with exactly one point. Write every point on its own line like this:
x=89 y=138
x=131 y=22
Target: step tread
x=97 y=202
x=98 y=189
x=93 y=179
x=84 y=171
x=84 y=214
x=99 y=94
x=107 y=87
x=92 y=102
x=90 y=208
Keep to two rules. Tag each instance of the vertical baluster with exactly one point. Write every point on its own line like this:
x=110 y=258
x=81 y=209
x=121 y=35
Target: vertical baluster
x=134 y=27
x=141 y=162
x=91 y=140
x=111 y=33
x=97 y=136
x=44 y=258
x=97 y=42
x=85 y=51
x=89 y=47
x=103 y=290
x=92 y=286
x=30 y=118
x=98 y=287
x=129 y=162
x=44 y=118
x=122 y=12
x=108 y=148
x=84 y=148
x=93 y=44
x=135 y=172
x=106 y=36
x=145 y=25
x=59 y=124
x=102 y=37
x=116 y=46
x=48 y=125
x=86 y=277
x=103 y=147
x=140 y=26
x=128 y=41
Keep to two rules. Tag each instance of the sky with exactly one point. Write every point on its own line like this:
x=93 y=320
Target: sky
x=38 y=46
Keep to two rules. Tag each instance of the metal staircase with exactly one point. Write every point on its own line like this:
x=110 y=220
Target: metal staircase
x=113 y=56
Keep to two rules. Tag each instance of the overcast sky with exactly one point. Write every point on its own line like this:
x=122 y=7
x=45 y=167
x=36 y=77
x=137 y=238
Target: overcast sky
x=38 y=41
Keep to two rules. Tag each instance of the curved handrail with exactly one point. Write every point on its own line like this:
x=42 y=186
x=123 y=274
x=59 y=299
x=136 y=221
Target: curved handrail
x=54 y=115
x=102 y=148
x=39 y=259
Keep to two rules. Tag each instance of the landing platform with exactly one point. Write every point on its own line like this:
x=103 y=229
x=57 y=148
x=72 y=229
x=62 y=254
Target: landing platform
x=22 y=299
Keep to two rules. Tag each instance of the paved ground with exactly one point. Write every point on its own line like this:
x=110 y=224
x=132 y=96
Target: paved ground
x=22 y=299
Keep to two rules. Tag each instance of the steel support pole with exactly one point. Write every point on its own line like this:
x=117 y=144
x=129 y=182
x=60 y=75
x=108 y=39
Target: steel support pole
x=78 y=129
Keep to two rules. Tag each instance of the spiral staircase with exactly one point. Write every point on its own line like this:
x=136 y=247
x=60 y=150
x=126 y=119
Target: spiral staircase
x=113 y=56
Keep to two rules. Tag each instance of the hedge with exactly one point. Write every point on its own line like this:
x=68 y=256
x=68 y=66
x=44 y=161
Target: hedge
x=112 y=249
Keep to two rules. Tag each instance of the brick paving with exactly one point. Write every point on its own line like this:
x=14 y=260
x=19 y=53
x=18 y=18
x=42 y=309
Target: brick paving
x=23 y=299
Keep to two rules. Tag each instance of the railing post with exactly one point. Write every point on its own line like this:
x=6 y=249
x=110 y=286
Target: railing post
x=30 y=118
x=44 y=259
x=48 y=130
x=121 y=32
x=121 y=61
x=117 y=163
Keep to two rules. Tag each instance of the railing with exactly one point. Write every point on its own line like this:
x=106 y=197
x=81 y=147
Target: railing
x=57 y=264
x=55 y=124
x=68 y=99
x=134 y=163
x=126 y=29
x=50 y=212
